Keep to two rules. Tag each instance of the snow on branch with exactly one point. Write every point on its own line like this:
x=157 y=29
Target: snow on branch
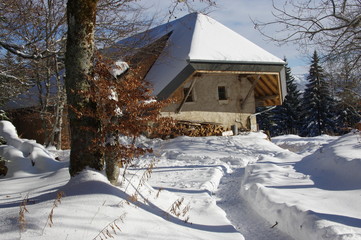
x=19 y=51
x=11 y=77
x=118 y=68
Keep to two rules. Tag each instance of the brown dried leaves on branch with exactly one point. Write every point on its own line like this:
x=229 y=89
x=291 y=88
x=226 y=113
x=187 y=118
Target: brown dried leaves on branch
x=124 y=107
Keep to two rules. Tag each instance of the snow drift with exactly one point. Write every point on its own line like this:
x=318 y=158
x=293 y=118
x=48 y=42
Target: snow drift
x=239 y=187
x=336 y=166
x=24 y=155
x=315 y=197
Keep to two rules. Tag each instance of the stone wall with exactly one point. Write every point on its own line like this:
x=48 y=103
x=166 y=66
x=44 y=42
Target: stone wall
x=206 y=106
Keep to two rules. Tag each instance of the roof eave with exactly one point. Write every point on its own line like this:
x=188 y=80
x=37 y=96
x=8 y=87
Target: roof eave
x=236 y=62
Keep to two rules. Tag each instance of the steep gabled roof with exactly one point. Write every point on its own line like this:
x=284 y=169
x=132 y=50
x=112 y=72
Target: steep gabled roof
x=170 y=53
x=194 y=39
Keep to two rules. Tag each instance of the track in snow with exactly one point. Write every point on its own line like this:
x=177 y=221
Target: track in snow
x=244 y=219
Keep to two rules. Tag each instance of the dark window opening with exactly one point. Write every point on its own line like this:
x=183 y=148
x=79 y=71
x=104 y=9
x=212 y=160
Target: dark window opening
x=222 y=95
x=190 y=96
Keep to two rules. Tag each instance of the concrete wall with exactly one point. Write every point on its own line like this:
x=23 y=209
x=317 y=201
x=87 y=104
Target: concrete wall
x=206 y=106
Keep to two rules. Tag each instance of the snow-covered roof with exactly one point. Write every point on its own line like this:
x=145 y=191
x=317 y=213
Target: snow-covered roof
x=197 y=38
x=193 y=42
x=30 y=98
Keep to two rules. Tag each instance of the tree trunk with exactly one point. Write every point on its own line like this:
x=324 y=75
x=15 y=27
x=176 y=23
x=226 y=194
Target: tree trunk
x=59 y=109
x=112 y=169
x=81 y=15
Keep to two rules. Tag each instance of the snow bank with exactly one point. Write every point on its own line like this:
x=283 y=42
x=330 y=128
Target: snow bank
x=335 y=166
x=302 y=145
x=24 y=155
x=199 y=175
x=212 y=184
x=90 y=182
x=313 y=197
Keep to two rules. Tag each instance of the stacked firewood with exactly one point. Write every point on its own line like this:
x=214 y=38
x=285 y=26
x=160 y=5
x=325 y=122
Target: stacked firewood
x=197 y=129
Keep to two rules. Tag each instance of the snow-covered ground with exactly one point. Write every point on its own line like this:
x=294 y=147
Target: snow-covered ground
x=240 y=187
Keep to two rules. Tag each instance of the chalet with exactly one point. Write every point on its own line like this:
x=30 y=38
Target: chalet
x=216 y=75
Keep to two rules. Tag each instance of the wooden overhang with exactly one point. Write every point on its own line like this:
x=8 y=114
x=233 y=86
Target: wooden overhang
x=269 y=90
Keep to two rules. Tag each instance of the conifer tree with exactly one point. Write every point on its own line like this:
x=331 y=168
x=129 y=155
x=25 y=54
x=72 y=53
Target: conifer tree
x=287 y=116
x=265 y=119
x=318 y=105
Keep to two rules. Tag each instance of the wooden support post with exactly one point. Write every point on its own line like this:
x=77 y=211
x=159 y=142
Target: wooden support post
x=179 y=109
x=255 y=81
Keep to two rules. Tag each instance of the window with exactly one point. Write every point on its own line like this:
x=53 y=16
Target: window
x=222 y=94
x=190 y=96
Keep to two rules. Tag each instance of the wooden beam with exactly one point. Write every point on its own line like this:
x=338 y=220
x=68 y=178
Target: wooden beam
x=179 y=109
x=269 y=97
x=269 y=82
x=262 y=88
x=243 y=73
x=250 y=90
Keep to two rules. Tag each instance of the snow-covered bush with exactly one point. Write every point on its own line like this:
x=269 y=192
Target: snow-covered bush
x=3 y=115
x=23 y=154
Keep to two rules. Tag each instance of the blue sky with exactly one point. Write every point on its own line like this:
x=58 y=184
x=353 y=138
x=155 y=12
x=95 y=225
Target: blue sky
x=237 y=15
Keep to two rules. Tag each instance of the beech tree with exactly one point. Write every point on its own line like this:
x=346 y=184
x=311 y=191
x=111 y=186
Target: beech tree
x=79 y=63
x=81 y=16
x=126 y=109
x=33 y=33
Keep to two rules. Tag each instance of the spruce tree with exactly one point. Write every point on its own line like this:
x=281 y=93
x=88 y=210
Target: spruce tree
x=287 y=116
x=318 y=106
x=265 y=118
x=347 y=117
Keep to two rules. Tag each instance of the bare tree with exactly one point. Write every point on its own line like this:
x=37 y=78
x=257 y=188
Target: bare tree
x=32 y=29
x=117 y=19
x=346 y=87
x=188 y=6
x=12 y=81
x=333 y=26
x=35 y=31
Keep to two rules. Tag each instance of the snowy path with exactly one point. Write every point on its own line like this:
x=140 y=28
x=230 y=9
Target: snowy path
x=244 y=219
x=208 y=173
x=201 y=188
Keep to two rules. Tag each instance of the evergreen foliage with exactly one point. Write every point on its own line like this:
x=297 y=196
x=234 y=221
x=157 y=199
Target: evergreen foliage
x=347 y=117
x=265 y=119
x=317 y=111
x=284 y=119
x=318 y=106
x=287 y=116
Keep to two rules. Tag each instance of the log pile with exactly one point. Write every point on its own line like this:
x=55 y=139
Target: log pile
x=198 y=129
